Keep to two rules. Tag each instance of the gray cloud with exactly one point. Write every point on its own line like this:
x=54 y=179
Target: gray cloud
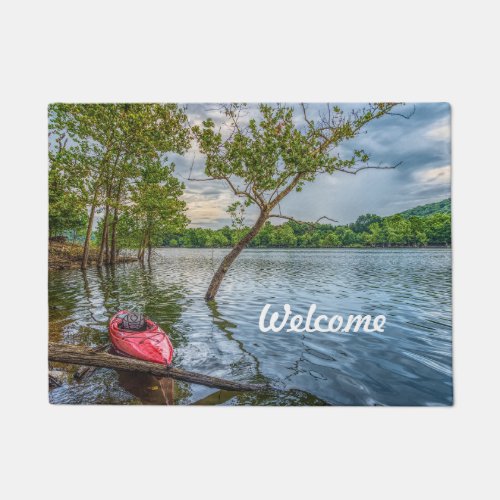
x=422 y=143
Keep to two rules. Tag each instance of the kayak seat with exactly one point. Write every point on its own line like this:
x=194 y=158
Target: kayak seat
x=133 y=322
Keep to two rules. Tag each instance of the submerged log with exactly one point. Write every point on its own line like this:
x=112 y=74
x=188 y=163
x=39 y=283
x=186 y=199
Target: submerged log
x=55 y=378
x=80 y=355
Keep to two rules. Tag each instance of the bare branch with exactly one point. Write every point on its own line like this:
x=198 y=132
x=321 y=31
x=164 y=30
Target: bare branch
x=234 y=189
x=305 y=114
x=327 y=218
x=203 y=180
x=356 y=119
x=375 y=167
x=406 y=117
x=232 y=186
x=280 y=216
x=287 y=190
x=192 y=166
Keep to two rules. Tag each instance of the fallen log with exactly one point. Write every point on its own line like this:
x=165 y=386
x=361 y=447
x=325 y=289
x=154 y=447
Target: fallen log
x=80 y=355
x=85 y=371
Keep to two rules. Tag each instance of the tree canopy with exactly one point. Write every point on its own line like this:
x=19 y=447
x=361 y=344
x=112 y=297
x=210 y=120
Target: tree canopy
x=383 y=232
x=263 y=161
x=111 y=180
x=101 y=156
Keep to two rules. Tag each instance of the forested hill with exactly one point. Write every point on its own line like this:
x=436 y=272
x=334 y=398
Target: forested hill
x=439 y=207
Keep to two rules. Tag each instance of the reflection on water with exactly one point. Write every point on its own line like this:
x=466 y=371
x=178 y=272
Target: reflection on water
x=408 y=364
x=147 y=388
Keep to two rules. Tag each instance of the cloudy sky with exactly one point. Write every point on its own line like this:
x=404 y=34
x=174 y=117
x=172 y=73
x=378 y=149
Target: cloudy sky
x=421 y=143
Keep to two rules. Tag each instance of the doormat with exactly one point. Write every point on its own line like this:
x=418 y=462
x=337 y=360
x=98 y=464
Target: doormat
x=288 y=254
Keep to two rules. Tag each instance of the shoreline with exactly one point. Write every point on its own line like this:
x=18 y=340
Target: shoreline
x=69 y=256
x=394 y=247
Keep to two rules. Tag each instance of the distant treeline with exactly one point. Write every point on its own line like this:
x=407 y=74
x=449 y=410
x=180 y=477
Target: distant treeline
x=368 y=231
x=443 y=206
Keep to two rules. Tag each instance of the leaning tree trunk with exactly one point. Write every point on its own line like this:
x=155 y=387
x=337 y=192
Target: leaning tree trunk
x=149 y=246
x=114 y=251
x=86 y=247
x=107 y=245
x=231 y=256
x=142 y=249
x=146 y=245
x=104 y=237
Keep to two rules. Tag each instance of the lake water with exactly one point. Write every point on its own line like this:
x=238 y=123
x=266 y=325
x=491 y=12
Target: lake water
x=409 y=364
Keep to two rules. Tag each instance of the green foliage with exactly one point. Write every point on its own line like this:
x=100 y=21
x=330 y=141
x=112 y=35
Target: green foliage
x=112 y=159
x=156 y=205
x=393 y=231
x=237 y=213
x=283 y=236
x=66 y=212
x=272 y=156
x=363 y=222
x=275 y=154
x=443 y=206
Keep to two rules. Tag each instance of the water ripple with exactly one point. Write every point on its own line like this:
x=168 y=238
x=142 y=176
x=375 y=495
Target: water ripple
x=409 y=364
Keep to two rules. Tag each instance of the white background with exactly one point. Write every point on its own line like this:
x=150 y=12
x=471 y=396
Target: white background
x=250 y=51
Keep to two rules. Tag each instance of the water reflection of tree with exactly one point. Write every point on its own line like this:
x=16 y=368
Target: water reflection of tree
x=63 y=301
x=93 y=296
x=293 y=397
x=137 y=287
x=91 y=332
x=267 y=397
x=226 y=327
x=148 y=388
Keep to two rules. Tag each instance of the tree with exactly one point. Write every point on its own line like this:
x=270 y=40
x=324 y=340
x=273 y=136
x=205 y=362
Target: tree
x=128 y=232
x=109 y=142
x=283 y=236
x=397 y=230
x=157 y=207
x=346 y=235
x=363 y=222
x=438 y=228
x=417 y=230
x=218 y=240
x=392 y=230
x=331 y=240
x=266 y=160
x=66 y=212
x=375 y=236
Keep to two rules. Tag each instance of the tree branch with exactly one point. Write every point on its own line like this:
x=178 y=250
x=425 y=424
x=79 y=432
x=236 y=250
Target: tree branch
x=287 y=190
x=280 y=216
x=379 y=167
x=406 y=117
x=305 y=114
x=236 y=191
x=356 y=121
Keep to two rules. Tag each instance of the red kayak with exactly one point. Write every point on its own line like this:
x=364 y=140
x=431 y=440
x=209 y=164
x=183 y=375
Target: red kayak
x=139 y=337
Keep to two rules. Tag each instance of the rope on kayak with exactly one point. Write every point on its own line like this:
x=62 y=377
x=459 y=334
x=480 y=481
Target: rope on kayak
x=139 y=334
x=152 y=337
